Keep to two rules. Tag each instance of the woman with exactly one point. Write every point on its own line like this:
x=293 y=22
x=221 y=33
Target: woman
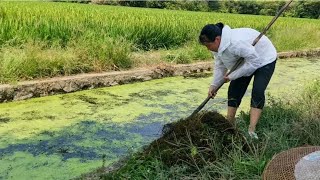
x=228 y=45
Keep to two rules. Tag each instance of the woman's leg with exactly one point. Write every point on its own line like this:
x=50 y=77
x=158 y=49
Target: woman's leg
x=261 y=80
x=237 y=89
x=255 y=114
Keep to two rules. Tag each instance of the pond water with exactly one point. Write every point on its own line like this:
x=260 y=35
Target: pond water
x=64 y=136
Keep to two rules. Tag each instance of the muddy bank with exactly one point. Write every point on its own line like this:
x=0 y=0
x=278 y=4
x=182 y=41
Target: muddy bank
x=39 y=88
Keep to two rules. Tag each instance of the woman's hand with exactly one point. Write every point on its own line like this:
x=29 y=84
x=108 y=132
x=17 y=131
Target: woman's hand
x=212 y=91
x=226 y=78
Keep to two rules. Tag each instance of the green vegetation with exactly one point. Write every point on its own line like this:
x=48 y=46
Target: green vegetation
x=285 y=124
x=45 y=39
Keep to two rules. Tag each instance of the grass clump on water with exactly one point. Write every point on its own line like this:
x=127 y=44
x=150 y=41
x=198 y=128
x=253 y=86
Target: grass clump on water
x=187 y=141
x=192 y=142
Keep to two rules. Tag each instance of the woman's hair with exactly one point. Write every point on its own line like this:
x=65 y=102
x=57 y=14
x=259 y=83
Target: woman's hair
x=209 y=32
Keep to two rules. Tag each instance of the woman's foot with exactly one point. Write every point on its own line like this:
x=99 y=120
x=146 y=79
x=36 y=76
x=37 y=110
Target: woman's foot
x=253 y=135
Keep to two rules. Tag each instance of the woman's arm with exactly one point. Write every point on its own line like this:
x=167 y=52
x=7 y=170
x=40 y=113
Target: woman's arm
x=252 y=60
x=218 y=73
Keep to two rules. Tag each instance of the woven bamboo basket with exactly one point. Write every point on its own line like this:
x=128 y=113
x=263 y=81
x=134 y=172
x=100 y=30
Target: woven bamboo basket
x=282 y=165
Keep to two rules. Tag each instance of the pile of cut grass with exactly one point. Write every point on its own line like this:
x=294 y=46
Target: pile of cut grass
x=186 y=141
x=194 y=141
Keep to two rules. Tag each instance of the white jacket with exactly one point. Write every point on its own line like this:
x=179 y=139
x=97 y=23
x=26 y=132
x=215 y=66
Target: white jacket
x=236 y=43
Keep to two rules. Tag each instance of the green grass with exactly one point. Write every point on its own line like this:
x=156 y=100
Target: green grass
x=67 y=38
x=284 y=124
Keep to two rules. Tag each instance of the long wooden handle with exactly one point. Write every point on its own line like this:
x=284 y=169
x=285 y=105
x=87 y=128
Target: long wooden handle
x=272 y=21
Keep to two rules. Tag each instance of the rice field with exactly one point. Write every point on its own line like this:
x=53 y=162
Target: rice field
x=45 y=39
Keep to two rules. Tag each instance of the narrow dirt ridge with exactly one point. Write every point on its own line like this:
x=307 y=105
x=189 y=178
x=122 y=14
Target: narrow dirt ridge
x=60 y=85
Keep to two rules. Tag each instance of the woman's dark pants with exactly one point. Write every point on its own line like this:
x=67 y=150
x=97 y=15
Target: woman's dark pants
x=238 y=87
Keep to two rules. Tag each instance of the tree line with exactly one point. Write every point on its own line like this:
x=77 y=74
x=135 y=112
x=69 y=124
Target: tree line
x=299 y=9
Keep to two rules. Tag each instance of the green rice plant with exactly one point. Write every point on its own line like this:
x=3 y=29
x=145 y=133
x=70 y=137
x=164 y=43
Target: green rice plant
x=146 y=28
x=33 y=60
x=101 y=38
